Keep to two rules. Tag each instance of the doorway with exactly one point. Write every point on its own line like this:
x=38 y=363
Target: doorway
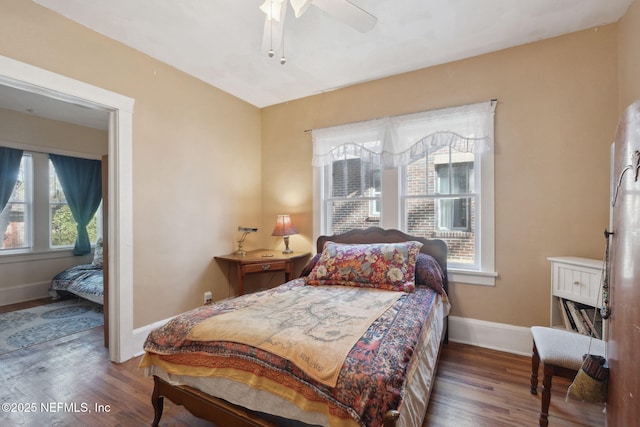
x=34 y=80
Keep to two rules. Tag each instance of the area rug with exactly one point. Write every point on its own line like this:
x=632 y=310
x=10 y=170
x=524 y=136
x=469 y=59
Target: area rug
x=24 y=328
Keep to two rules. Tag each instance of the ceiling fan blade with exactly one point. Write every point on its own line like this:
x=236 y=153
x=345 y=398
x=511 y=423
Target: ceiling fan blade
x=300 y=6
x=348 y=13
x=273 y=30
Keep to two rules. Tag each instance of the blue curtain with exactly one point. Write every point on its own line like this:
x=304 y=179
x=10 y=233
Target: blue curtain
x=9 y=166
x=81 y=181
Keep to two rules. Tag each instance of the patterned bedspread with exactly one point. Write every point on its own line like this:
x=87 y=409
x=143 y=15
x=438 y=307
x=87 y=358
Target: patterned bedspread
x=372 y=379
x=85 y=281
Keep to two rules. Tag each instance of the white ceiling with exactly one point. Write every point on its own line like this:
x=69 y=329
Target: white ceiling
x=219 y=41
x=52 y=108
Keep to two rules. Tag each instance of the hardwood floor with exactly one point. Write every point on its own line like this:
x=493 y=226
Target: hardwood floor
x=482 y=387
x=474 y=387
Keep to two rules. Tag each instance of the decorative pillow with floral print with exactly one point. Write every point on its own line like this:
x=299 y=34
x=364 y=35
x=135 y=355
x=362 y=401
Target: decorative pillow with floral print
x=389 y=266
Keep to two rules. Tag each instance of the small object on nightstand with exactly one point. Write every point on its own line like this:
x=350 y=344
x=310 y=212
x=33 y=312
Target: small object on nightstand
x=245 y=231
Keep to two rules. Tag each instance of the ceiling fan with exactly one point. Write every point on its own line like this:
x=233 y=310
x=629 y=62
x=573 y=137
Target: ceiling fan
x=276 y=10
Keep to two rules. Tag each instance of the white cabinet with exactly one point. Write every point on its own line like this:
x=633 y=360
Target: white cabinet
x=574 y=279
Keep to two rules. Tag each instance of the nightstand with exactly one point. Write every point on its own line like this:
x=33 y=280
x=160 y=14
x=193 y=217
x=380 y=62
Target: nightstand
x=576 y=280
x=262 y=261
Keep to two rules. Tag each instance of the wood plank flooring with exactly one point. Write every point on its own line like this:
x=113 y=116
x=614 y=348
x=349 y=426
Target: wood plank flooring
x=474 y=387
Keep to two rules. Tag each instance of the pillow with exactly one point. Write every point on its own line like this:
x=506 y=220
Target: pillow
x=312 y=263
x=97 y=253
x=429 y=273
x=380 y=265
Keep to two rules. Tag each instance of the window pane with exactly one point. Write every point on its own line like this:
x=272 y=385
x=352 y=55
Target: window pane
x=454 y=214
x=421 y=174
x=421 y=215
x=354 y=178
x=14 y=219
x=63 y=226
x=355 y=195
x=349 y=214
x=56 y=195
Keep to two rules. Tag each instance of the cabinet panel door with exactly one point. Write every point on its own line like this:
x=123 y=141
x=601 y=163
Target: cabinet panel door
x=577 y=283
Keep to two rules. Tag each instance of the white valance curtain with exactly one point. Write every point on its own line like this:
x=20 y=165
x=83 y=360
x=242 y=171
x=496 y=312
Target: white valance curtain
x=400 y=140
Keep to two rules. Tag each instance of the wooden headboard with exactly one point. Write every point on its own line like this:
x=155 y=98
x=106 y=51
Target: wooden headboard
x=434 y=247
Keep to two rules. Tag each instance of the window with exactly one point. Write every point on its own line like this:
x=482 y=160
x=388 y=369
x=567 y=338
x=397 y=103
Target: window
x=27 y=223
x=440 y=202
x=428 y=174
x=16 y=217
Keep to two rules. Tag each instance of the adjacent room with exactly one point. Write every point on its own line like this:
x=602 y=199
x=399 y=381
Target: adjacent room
x=451 y=167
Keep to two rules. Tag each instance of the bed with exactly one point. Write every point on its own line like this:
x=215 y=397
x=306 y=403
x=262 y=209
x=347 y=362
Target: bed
x=84 y=281
x=382 y=377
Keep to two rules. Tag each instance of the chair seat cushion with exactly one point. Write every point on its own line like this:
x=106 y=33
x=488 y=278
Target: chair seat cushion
x=564 y=348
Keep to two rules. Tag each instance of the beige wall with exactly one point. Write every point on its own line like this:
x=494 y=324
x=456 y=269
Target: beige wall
x=21 y=128
x=196 y=162
x=629 y=52
x=554 y=122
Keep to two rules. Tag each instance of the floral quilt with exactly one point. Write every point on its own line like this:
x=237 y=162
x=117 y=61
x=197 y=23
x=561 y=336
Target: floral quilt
x=371 y=381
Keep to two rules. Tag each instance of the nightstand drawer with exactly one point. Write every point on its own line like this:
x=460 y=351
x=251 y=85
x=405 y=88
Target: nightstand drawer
x=264 y=267
x=576 y=282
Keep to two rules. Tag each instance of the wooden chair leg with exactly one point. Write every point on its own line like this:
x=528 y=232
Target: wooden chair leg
x=535 y=363
x=546 y=395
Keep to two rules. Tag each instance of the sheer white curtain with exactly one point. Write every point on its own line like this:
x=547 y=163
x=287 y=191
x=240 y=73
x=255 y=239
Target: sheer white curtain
x=399 y=140
x=362 y=140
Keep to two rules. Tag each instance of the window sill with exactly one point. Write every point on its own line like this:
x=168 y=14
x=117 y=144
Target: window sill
x=482 y=278
x=451 y=234
x=36 y=256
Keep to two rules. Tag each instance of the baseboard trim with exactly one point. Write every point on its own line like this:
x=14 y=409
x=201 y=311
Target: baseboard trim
x=25 y=292
x=496 y=336
x=140 y=335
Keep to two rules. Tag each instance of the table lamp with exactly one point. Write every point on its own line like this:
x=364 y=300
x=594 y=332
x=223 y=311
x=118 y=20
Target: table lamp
x=245 y=231
x=285 y=228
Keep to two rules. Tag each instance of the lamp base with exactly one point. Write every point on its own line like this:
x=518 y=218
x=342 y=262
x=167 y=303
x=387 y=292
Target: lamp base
x=286 y=246
x=240 y=251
